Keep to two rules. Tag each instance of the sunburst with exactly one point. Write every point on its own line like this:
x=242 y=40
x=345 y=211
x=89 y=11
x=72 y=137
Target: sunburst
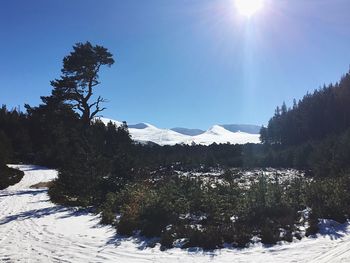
x=248 y=8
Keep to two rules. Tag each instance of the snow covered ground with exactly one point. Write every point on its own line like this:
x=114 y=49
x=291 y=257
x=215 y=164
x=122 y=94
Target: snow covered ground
x=32 y=229
x=144 y=132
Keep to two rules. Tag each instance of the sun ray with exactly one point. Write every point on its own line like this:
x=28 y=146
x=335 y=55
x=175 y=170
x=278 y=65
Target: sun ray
x=248 y=8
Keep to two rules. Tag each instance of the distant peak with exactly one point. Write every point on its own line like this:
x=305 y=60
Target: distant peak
x=217 y=129
x=139 y=126
x=187 y=131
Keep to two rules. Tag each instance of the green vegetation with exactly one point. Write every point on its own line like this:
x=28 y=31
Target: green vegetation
x=209 y=213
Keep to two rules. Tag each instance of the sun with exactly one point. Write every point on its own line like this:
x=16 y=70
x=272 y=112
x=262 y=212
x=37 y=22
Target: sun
x=248 y=8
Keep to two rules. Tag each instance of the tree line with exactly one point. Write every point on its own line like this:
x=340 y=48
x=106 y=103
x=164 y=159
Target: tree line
x=314 y=133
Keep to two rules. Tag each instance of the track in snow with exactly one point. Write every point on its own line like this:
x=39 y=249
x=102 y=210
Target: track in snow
x=32 y=229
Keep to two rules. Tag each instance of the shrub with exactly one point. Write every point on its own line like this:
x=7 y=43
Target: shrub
x=330 y=198
x=167 y=239
x=208 y=214
x=269 y=234
x=313 y=225
x=126 y=226
x=9 y=176
x=207 y=238
x=108 y=213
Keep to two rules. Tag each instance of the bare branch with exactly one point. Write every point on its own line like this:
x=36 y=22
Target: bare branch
x=93 y=114
x=97 y=107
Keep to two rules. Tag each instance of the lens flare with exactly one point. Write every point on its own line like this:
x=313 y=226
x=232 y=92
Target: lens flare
x=248 y=8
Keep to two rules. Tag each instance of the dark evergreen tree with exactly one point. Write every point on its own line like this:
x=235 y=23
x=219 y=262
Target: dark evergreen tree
x=80 y=76
x=324 y=112
x=54 y=129
x=15 y=126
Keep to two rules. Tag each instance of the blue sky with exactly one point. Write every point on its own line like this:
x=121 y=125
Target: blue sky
x=191 y=63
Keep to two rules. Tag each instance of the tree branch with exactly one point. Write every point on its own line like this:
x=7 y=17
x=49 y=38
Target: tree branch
x=97 y=105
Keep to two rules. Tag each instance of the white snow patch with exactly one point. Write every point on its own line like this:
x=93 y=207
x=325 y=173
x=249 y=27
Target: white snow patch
x=218 y=134
x=156 y=135
x=106 y=121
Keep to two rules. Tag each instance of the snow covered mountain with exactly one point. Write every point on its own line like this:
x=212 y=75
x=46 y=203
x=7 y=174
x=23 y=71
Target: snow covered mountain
x=247 y=128
x=151 y=133
x=186 y=131
x=218 y=134
x=144 y=132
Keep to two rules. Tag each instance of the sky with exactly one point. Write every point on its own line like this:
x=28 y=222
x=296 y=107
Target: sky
x=179 y=63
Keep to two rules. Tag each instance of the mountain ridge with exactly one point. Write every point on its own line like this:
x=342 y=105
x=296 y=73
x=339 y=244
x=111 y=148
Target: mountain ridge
x=145 y=132
x=188 y=131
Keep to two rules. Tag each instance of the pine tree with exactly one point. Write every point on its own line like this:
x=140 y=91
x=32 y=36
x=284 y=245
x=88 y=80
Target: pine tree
x=80 y=76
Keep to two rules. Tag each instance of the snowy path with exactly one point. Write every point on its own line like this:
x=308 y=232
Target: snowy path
x=32 y=229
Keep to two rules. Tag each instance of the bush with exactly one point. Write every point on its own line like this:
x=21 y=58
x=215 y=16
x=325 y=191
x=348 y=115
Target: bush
x=153 y=219
x=237 y=234
x=207 y=238
x=167 y=239
x=9 y=176
x=313 y=225
x=108 y=213
x=242 y=238
x=131 y=201
x=208 y=214
x=269 y=234
x=329 y=198
x=126 y=226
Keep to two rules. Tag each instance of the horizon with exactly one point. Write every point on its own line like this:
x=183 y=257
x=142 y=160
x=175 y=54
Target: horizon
x=177 y=127
x=187 y=64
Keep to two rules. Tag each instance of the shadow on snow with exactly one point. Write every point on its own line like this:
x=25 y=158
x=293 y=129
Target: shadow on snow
x=23 y=192
x=40 y=213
